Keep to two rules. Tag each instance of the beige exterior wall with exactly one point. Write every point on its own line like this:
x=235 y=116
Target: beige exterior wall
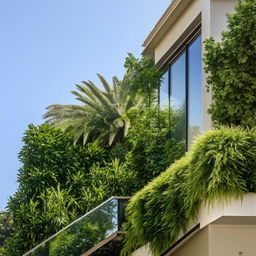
x=177 y=28
x=218 y=20
x=198 y=245
x=143 y=251
x=220 y=240
x=229 y=240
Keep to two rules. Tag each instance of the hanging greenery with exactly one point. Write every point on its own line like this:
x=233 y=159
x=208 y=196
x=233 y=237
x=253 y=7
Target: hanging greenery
x=220 y=165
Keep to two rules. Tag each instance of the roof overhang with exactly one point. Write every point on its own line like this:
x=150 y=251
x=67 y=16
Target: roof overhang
x=169 y=17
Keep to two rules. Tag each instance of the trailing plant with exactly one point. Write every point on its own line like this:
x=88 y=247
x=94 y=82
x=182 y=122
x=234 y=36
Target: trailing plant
x=230 y=65
x=220 y=165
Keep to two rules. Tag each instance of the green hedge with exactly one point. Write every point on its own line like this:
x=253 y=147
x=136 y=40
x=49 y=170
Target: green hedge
x=221 y=164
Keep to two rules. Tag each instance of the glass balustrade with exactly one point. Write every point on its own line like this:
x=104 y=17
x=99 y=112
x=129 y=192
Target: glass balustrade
x=86 y=232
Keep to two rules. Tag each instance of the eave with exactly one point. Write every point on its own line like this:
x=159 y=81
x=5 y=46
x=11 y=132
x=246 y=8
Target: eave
x=169 y=17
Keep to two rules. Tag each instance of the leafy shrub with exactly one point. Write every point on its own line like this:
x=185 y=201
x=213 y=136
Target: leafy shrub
x=5 y=229
x=2 y=251
x=86 y=233
x=111 y=180
x=115 y=178
x=51 y=181
x=48 y=156
x=151 y=148
x=220 y=165
x=41 y=217
x=5 y=226
x=75 y=241
x=231 y=69
x=112 y=248
x=145 y=78
x=59 y=182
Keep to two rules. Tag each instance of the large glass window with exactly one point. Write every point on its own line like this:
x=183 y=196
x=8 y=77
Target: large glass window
x=178 y=95
x=194 y=89
x=181 y=89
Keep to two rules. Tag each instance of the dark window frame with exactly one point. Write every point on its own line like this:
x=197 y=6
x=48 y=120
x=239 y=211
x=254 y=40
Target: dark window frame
x=183 y=48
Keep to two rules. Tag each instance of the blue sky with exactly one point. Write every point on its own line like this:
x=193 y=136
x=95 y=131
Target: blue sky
x=47 y=46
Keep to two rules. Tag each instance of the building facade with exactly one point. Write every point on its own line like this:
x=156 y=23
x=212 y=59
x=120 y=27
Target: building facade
x=176 y=44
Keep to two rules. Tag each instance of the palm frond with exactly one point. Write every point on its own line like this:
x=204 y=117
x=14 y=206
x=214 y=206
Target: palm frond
x=103 y=112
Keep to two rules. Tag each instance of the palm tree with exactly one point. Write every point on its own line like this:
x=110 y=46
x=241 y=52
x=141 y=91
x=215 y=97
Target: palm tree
x=104 y=112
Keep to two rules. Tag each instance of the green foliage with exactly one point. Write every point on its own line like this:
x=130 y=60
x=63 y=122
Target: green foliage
x=115 y=179
x=75 y=241
x=112 y=248
x=103 y=114
x=2 y=251
x=6 y=228
x=51 y=183
x=145 y=77
x=151 y=148
x=231 y=69
x=111 y=180
x=59 y=182
x=41 y=217
x=86 y=233
x=48 y=156
x=220 y=165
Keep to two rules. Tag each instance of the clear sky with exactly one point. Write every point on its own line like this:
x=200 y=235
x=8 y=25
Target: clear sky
x=47 y=46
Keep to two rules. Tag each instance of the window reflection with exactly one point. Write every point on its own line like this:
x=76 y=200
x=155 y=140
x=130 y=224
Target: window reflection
x=185 y=93
x=194 y=90
x=178 y=96
x=164 y=91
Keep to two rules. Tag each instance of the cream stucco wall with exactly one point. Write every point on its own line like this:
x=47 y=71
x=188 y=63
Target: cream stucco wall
x=229 y=240
x=245 y=207
x=220 y=240
x=143 y=251
x=177 y=28
x=218 y=20
x=198 y=245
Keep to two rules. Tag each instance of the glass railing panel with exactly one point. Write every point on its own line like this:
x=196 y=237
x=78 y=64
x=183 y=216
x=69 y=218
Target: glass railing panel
x=85 y=232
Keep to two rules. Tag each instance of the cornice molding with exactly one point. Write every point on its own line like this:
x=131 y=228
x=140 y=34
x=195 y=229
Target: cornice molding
x=176 y=7
x=161 y=21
